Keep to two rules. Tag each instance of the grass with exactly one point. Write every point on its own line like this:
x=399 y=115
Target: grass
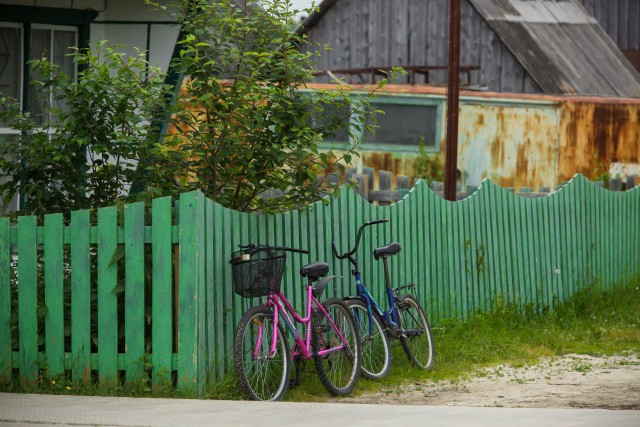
x=592 y=322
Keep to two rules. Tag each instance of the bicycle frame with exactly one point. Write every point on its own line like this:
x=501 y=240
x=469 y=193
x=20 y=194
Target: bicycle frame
x=389 y=316
x=283 y=307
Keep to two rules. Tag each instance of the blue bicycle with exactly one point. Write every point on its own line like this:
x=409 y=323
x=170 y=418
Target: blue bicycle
x=404 y=320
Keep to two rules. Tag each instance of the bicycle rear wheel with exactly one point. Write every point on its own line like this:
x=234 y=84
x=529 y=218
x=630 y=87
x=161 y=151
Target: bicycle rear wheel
x=262 y=376
x=376 y=350
x=339 y=370
x=416 y=339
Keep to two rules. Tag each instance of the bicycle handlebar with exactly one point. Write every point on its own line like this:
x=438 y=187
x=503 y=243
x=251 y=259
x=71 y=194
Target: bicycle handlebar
x=281 y=248
x=355 y=248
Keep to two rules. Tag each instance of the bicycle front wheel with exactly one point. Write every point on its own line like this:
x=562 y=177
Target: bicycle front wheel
x=416 y=338
x=339 y=370
x=374 y=342
x=263 y=375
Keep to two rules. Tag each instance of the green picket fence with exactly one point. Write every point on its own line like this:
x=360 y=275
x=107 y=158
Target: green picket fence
x=100 y=301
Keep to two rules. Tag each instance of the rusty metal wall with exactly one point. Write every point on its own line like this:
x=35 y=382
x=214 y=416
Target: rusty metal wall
x=527 y=140
x=596 y=133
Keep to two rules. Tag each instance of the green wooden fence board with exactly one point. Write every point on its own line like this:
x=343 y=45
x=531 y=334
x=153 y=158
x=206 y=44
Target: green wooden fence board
x=80 y=296
x=240 y=236
x=581 y=237
x=439 y=259
x=472 y=242
x=228 y=325
x=508 y=253
x=209 y=295
x=483 y=261
x=493 y=244
x=603 y=240
x=162 y=291
x=500 y=261
x=578 y=231
x=570 y=220
x=222 y=282
x=54 y=294
x=462 y=255
x=291 y=276
x=416 y=254
x=493 y=253
x=633 y=236
x=191 y=351
x=635 y=218
x=107 y=295
x=134 y=294
x=619 y=233
x=421 y=260
x=532 y=254
x=27 y=299
x=405 y=231
x=6 y=362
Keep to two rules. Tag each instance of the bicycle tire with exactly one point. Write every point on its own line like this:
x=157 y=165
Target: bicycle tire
x=374 y=343
x=339 y=371
x=416 y=338
x=263 y=378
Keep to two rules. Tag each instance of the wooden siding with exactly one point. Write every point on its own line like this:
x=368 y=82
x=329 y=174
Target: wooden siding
x=620 y=19
x=371 y=33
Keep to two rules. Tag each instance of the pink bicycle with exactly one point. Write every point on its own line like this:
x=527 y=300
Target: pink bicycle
x=262 y=354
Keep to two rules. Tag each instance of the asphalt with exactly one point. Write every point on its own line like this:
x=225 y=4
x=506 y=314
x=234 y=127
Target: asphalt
x=48 y=410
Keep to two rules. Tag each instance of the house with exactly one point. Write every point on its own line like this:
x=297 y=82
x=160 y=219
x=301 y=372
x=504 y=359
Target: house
x=520 y=46
x=29 y=29
x=557 y=96
x=620 y=19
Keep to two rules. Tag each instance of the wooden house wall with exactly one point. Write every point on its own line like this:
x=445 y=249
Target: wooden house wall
x=620 y=19
x=376 y=33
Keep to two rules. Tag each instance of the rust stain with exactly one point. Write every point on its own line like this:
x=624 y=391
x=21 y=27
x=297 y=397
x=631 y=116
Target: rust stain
x=593 y=135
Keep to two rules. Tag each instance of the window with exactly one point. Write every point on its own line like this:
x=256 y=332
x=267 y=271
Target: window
x=404 y=125
x=49 y=41
x=53 y=44
x=10 y=63
x=405 y=121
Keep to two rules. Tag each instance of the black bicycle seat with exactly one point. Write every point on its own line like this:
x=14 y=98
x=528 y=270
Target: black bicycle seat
x=315 y=269
x=390 y=249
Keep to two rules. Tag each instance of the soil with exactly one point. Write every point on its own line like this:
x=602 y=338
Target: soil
x=571 y=381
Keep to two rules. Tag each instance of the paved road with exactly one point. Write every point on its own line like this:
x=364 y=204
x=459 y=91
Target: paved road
x=46 y=410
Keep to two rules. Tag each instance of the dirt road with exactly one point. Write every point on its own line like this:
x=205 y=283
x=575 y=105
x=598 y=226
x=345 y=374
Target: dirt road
x=572 y=381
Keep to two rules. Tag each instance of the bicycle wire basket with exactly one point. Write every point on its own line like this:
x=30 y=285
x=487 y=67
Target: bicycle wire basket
x=257 y=271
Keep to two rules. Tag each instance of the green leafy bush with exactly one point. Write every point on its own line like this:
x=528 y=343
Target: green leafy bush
x=84 y=150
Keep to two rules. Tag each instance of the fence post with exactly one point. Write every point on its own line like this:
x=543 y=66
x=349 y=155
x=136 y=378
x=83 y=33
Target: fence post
x=363 y=185
x=615 y=184
x=191 y=295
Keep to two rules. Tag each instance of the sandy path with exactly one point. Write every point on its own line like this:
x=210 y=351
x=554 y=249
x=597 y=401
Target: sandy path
x=565 y=382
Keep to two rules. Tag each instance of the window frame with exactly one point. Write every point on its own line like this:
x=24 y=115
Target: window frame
x=392 y=99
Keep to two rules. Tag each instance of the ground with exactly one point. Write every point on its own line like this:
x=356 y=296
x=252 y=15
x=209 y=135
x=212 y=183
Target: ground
x=572 y=381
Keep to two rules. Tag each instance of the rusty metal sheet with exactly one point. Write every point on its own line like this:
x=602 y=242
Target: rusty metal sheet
x=594 y=135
